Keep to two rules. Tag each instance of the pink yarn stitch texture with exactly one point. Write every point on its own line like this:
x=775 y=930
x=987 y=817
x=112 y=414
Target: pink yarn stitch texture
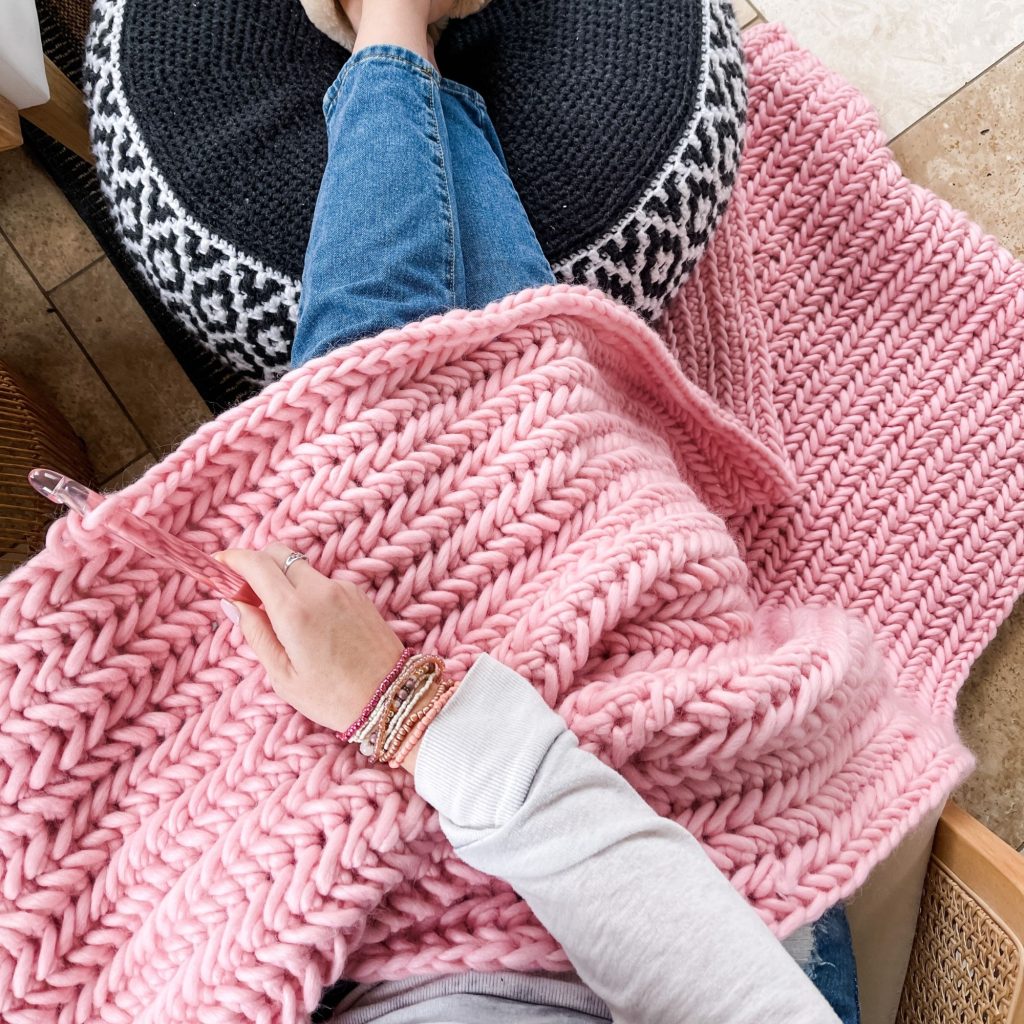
x=538 y=480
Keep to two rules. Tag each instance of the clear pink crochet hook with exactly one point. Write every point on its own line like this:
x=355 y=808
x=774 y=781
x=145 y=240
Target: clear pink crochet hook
x=177 y=553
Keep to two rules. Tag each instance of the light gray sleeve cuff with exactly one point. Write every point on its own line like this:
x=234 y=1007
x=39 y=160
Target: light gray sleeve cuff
x=478 y=758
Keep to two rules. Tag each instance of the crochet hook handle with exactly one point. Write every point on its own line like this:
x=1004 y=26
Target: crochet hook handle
x=177 y=553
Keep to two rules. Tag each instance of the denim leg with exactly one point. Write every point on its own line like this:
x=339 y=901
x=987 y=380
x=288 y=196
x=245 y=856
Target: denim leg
x=384 y=248
x=500 y=251
x=832 y=966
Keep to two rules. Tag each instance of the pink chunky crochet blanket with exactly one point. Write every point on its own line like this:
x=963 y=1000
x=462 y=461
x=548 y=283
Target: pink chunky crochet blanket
x=538 y=480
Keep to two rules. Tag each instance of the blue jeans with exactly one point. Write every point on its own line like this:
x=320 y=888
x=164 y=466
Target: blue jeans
x=416 y=213
x=832 y=967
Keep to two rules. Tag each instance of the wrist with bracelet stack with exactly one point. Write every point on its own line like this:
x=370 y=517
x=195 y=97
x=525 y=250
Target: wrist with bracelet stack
x=407 y=700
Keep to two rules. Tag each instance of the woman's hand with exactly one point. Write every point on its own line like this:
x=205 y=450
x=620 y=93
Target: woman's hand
x=324 y=645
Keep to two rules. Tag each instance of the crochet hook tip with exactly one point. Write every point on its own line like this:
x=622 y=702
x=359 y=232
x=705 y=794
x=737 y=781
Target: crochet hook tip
x=59 y=489
x=47 y=482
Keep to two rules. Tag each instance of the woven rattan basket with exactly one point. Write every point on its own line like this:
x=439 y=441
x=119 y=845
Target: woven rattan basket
x=32 y=433
x=967 y=964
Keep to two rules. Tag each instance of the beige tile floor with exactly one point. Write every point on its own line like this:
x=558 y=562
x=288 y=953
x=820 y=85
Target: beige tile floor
x=908 y=56
x=948 y=79
x=69 y=323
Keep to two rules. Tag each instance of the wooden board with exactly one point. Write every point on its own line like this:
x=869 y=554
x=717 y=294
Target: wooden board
x=65 y=117
x=10 y=126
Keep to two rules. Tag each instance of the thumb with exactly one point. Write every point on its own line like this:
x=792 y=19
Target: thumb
x=260 y=636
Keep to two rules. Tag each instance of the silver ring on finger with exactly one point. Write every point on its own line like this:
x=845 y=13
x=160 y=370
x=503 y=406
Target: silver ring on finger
x=295 y=556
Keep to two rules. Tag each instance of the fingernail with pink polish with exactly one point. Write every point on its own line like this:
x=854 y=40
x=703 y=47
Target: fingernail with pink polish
x=229 y=610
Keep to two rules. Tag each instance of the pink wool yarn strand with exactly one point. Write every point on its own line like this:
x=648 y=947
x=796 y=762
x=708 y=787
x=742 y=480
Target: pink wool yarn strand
x=749 y=556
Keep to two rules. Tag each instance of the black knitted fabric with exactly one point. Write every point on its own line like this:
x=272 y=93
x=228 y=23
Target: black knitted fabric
x=621 y=121
x=227 y=94
x=587 y=98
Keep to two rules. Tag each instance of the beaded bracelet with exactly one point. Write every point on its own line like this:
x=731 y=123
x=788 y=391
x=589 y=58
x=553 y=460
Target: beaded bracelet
x=429 y=710
x=445 y=683
x=432 y=711
x=405 y=692
x=414 y=692
x=375 y=699
x=397 y=694
x=397 y=723
x=397 y=715
x=383 y=707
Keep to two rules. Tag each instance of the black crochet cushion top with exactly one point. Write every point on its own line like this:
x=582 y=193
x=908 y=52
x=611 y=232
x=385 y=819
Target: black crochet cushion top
x=621 y=123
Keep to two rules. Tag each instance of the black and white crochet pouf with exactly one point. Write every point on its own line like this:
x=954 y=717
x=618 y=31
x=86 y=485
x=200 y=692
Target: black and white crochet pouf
x=621 y=123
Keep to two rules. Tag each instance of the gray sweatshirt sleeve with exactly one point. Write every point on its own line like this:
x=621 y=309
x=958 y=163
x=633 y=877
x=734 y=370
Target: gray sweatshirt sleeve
x=647 y=920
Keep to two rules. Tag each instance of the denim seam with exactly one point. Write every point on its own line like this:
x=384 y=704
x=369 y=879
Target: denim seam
x=371 y=54
x=447 y=195
x=458 y=89
x=331 y=98
x=365 y=56
x=375 y=54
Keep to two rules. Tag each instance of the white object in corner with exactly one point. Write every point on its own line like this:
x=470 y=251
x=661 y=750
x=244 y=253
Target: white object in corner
x=22 y=72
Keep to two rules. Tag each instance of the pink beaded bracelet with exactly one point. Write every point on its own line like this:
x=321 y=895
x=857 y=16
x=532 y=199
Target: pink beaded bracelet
x=416 y=735
x=347 y=735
